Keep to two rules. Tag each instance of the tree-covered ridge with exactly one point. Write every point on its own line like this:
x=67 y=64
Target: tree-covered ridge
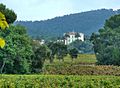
x=85 y=22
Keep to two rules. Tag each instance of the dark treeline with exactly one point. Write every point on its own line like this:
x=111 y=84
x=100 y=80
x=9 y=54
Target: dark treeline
x=86 y=22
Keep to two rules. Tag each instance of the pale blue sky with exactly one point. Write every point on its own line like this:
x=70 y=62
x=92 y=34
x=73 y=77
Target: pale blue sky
x=47 y=9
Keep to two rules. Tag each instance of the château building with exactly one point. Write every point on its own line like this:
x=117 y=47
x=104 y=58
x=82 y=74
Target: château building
x=72 y=36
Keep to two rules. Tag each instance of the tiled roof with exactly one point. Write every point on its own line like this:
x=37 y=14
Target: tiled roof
x=71 y=33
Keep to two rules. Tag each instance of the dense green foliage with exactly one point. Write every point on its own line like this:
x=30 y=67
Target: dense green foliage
x=107 y=42
x=15 y=56
x=19 y=55
x=41 y=53
x=86 y=22
x=9 y=14
x=73 y=52
x=58 y=49
x=53 y=81
x=61 y=50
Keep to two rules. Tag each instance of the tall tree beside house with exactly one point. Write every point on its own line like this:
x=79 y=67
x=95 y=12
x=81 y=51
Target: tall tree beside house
x=107 y=42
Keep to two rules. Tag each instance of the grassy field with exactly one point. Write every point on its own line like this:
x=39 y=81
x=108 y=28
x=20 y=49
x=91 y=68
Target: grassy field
x=58 y=81
x=85 y=64
x=82 y=59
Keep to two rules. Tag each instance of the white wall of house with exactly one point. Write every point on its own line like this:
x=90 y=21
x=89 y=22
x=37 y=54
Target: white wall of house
x=72 y=38
x=81 y=37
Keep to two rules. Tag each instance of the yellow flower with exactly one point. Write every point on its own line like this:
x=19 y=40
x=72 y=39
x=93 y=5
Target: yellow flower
x=2 y=42
x=3 y=23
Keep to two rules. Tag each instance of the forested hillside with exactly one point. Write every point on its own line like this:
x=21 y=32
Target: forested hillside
x=86 y=22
